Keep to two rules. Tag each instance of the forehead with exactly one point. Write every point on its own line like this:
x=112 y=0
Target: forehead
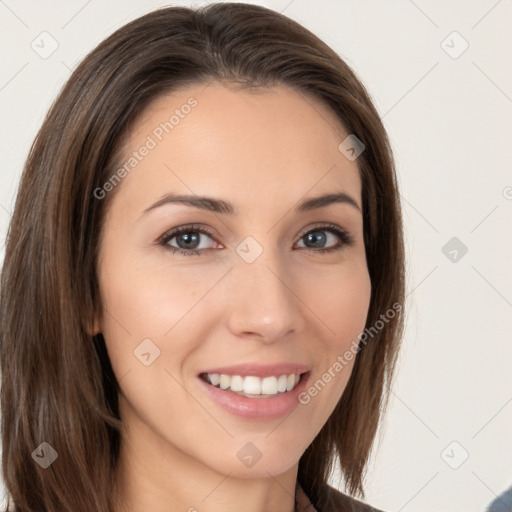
x=212 y=138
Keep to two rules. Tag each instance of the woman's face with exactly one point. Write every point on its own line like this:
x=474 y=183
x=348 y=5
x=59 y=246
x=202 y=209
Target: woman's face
x=262 y=298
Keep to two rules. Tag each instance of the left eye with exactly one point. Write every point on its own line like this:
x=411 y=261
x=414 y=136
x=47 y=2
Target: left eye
x=318 y=237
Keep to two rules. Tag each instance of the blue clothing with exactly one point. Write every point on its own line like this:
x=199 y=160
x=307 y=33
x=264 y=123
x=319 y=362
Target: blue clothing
x=502 y=503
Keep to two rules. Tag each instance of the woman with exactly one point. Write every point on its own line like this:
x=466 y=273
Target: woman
x=204 y=275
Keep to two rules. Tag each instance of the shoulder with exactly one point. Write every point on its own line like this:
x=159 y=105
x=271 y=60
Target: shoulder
x=335 y=501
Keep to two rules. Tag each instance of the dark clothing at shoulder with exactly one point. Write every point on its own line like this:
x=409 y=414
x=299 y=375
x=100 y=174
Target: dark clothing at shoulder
x=335 y=501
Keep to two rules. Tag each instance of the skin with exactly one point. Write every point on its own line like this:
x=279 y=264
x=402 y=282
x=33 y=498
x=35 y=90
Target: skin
x=264 y=151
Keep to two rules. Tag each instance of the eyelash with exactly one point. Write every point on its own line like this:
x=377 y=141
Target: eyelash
x=345 y=238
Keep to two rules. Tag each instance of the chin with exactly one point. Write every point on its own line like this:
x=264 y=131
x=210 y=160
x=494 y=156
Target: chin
x=261 y=469
x=260 y=457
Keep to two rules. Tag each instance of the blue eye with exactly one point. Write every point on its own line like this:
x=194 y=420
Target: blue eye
x=317 y=236
x=189 y=237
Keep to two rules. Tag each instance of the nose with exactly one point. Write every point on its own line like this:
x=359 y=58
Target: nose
x=263 y=302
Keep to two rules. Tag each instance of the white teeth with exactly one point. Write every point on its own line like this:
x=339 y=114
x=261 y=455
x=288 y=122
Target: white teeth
x=269 y=386
x=225 y=381
x=214 y=378
x=252 y=385
x=237 y=383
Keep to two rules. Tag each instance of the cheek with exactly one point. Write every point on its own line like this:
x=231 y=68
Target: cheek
x=144 y=299
x=151 y=301
x=340 y=300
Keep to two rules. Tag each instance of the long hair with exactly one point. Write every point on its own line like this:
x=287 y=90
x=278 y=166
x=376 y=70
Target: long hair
x=58 y=390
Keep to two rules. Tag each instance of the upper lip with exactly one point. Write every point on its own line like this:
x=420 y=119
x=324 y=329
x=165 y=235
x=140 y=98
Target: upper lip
x=259 y=370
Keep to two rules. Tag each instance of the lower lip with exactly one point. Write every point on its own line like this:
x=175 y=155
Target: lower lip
x=276 y=406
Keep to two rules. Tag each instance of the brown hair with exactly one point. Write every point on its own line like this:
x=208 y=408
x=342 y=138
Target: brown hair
x=57 y=383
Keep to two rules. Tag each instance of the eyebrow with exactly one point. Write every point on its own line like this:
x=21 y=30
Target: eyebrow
x=221 y=206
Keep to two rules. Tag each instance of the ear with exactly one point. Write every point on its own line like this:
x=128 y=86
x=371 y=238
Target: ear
x=96 y=329
x=92 y=331
x=93 y=327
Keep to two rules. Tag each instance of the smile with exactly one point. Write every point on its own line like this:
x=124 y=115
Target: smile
x=254 y=391
x=252 y=386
